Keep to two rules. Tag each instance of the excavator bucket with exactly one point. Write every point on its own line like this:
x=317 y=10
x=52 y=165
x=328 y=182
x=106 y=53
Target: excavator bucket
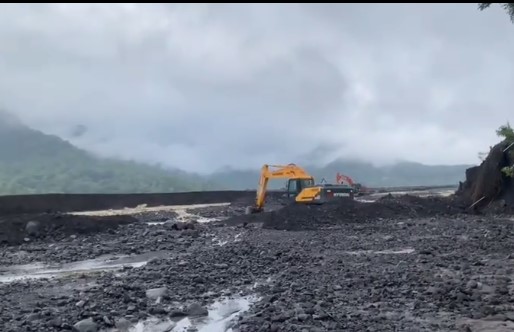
x=252 y=210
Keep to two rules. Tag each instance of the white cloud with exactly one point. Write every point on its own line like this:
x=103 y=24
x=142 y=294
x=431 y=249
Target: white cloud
x=203 y=86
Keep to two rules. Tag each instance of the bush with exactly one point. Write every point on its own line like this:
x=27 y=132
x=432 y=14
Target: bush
x=507 y=133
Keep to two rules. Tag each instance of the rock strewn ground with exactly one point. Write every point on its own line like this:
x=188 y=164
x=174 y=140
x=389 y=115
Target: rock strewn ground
x=16 y=229
x=314 y=217
x=390 y=274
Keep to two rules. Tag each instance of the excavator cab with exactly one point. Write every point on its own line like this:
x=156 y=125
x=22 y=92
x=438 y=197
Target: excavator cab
x=295 y=186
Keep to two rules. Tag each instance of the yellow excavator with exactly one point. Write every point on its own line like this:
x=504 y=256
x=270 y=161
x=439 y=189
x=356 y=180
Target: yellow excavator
x=300 y=186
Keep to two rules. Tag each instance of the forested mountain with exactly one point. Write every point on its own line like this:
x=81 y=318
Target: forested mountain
x=34 y=162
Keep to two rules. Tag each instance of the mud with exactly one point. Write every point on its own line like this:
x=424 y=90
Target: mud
x=29 y=227
x=336 y=213
x=20 y=204
x=413 y=274
x=17 y=229
x=397 y=264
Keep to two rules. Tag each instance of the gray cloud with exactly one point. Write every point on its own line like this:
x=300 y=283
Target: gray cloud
x=203 y=86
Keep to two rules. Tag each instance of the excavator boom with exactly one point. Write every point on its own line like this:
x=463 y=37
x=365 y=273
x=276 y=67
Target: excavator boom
x=341 y=179
x=269 y=172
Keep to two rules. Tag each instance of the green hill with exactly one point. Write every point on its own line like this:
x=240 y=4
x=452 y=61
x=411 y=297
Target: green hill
x=34 y=162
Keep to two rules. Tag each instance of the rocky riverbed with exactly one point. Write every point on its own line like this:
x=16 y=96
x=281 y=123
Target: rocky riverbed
x=428 y=268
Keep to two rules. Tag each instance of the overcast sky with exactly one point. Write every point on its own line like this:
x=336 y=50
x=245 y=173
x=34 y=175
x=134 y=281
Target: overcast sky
x=203 y=86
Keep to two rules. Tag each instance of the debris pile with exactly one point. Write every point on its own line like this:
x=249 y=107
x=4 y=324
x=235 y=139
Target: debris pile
x=24 y=228
x=360 y=277
x=312 y=217
x=486 y=185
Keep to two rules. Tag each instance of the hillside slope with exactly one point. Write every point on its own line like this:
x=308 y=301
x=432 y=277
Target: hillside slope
x=34 y=162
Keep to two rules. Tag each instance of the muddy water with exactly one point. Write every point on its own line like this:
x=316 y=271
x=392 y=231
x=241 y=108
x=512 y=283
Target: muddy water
x=107 y=262
x=184 y=215
x=220 y=314
x=143 y=208
x=151 y=325
x=102 y=263
x=421 y=193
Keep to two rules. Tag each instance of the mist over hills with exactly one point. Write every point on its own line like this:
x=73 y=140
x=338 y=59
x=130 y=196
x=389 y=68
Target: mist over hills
x=34 y=162
x=399 y=174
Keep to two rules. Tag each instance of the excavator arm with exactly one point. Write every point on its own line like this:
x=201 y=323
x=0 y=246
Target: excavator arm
x=269 y=172
x=341 y=179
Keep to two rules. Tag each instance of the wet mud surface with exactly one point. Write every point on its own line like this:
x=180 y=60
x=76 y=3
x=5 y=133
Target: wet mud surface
x=333 y=214
x=47 y=203
x=399 y=264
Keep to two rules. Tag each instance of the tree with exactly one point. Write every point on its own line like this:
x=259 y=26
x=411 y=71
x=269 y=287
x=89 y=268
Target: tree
x=508 y=7
x=507 y=133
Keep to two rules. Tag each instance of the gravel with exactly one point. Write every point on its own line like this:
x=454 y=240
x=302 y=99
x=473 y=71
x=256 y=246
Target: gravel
x=423 y=271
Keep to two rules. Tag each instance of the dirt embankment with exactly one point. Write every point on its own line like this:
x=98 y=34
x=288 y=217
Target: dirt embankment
x=486 y=186
x=312 y=217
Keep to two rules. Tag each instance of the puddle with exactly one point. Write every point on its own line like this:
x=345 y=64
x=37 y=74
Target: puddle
x=395 y=252
x=484 y=325
x=219 y=242
x=183 y=216
x=153 y=325
x=205 y=220
x=382 y=252
x=362 y=200
x=102 y=263
x=221 y=315
x=155 y=223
